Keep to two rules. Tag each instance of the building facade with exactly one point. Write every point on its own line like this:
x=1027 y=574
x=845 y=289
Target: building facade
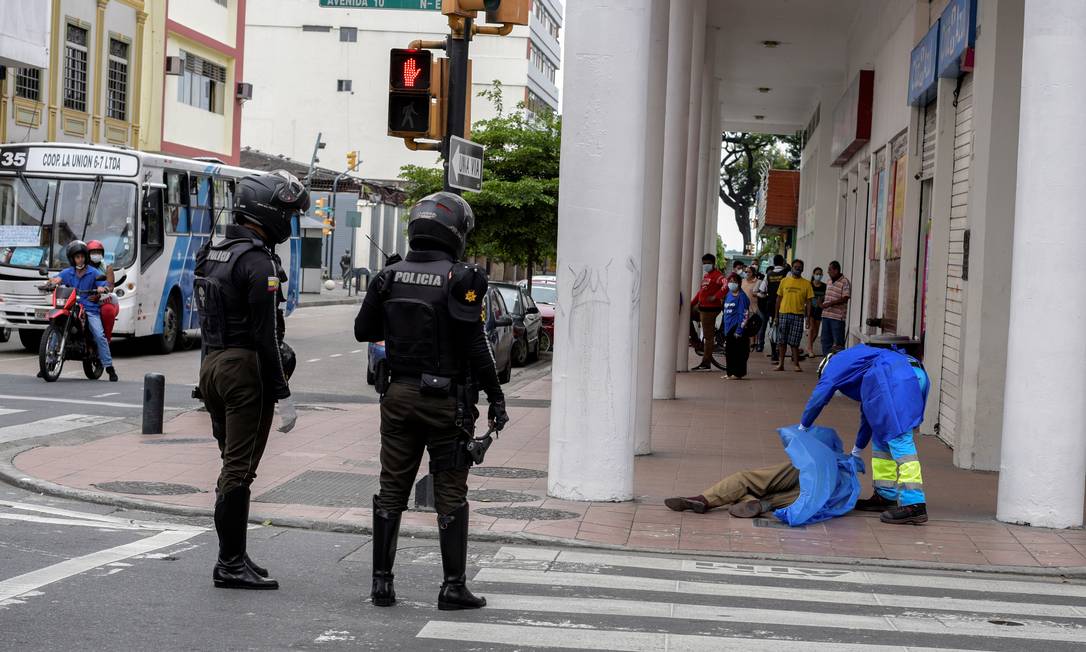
x=941 y=167
x=88 y=89
x=325 y=69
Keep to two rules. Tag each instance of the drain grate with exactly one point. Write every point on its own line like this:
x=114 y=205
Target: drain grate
x=1006 y=623
x=527 y=513
x=500 y=496
x=180 y=440
x=507 y=472
x=325 y=489
x=317 y=408
x=148 y=488
x=774 y=524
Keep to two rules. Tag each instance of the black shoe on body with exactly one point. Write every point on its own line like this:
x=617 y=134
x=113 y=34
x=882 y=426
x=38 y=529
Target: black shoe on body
x=750 y=508
x=231 y=522
x=386 y=534
x=112 y=374
x=876 y=503
x=453 y=535
x=906 y=514
x=697 y=504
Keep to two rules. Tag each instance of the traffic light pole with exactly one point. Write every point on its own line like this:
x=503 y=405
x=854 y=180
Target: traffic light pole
x=459 y=93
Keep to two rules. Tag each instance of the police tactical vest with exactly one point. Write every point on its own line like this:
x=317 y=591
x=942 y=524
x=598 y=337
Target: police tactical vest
x=419 y=336
x=222 y=307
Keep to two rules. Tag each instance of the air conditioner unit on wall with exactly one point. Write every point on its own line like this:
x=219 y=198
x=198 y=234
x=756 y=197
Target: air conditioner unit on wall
x=244 y=91
x=175 y=65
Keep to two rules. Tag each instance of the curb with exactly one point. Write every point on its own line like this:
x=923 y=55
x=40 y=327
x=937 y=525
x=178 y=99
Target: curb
x=13 y=476
x=317 y=303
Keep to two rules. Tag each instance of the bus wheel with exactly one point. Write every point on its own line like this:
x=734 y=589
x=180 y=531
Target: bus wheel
x=30 y=339
x=171 y=327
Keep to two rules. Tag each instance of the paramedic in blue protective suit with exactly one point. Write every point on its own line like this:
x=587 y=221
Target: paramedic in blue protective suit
x=892 y=388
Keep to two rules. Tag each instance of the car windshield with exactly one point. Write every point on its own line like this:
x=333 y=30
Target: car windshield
x=545 y=294
x=511 y=297
x=39 y=217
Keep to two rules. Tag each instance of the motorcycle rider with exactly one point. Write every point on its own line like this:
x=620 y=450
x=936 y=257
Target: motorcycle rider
x=91 y=284
x=427 y=309
x=242 y=374
x=108 y=302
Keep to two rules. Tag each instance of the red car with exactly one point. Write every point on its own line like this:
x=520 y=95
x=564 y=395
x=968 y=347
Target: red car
x=545 y=295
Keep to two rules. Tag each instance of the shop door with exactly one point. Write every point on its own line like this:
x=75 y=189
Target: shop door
x=895 y=219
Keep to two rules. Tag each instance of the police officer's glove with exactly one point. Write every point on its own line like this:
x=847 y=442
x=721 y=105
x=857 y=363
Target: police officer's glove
x=288 y=415
x=497 y=416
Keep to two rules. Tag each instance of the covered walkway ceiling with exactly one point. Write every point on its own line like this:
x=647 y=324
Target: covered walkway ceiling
x=793 y=48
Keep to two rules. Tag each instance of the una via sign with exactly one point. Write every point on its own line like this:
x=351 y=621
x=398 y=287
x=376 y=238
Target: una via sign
x=422 y=5
x=465 y=164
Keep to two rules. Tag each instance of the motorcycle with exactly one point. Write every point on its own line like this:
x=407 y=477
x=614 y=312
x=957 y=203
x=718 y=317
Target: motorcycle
x=67 y=336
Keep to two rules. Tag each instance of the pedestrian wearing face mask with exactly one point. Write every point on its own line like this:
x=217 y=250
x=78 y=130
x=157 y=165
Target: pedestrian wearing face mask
x=706 y=306
x=816 y=310
x=736 y=349
x=794 y=295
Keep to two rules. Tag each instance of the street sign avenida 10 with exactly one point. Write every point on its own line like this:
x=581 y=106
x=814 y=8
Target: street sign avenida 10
x=424 y=5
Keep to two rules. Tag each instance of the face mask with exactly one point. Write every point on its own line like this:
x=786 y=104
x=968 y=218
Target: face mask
x=81 y=265
x=817 y=277
x=733 y=286
x=742 y=274
x=797 y=272
x=96 y=258
x=706 y=268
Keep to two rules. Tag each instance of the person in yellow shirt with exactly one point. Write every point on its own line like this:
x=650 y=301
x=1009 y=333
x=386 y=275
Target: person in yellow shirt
x=794 y=296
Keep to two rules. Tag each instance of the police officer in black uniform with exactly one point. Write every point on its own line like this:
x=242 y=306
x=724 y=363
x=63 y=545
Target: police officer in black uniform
x=242 y=375
x=428 y=309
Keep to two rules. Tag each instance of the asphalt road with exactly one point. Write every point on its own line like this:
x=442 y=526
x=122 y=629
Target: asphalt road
x=331 y=368
x=88 y=577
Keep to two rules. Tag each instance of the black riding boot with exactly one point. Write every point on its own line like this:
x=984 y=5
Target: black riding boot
x=231 y=522
x=386 y=533
x=453 y=535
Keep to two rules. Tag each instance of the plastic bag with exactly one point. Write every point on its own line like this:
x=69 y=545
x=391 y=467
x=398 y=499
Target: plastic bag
x=828 y=486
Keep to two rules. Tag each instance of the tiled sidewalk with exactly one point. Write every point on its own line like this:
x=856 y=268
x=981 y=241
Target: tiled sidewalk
x=717 y=427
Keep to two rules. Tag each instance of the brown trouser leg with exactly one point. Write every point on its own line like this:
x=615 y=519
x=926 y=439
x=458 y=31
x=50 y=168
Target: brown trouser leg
x=708 y=334
x=241 y=416
x=778 y=484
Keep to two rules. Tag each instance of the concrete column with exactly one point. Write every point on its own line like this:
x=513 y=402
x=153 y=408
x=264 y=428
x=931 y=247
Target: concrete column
x=997 y=84
x=1044 y=417
x=690 y=191
x=599 y=251
x=712 y=171
x=677 y=109
x=650 y=248
x=705 y=146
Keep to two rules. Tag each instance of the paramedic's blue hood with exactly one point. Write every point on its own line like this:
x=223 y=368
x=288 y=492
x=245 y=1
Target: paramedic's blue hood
x=828 y=486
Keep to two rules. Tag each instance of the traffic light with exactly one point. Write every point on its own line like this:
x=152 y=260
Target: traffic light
x=319 y=211
x=511 y=12
x=467 y=8
x=410 y=79
x=352 y=160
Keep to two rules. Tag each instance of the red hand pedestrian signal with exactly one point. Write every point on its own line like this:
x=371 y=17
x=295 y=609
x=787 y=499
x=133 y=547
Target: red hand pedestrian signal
x=410 y=70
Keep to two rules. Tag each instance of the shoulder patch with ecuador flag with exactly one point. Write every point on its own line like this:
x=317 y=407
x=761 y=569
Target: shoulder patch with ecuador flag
x=273 y=283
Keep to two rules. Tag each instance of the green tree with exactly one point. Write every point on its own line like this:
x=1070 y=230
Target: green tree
x=516 y=213
x=743 y=158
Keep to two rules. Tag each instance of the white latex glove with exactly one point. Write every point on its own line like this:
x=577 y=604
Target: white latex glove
x=855 y=452
x=288 y=415
x=801 y=428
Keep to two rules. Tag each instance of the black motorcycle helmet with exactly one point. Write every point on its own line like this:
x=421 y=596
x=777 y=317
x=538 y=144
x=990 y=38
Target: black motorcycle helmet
x=269 y=201
x=289 y=359
x=76 y=247
x=441 y=221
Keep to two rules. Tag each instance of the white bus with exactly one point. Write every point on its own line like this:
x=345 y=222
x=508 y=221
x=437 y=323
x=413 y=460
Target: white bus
x=152 y=212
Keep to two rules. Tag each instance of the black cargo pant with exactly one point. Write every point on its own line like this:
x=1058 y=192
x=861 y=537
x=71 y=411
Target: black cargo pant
x=241 y=415
x=410 y=423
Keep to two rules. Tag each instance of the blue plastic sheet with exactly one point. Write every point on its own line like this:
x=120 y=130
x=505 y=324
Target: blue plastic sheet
x=828 y=486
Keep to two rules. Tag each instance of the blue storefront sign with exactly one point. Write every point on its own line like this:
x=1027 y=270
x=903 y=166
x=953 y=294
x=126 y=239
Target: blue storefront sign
x=922 y=67
x=958 y=33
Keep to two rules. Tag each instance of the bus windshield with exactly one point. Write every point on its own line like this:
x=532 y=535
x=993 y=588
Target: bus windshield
x=39 y=217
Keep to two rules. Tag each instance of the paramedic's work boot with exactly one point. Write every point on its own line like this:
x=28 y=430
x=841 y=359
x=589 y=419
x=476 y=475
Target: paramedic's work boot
x=906 y=514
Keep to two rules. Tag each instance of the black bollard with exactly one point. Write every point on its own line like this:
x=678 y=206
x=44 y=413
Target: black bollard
x=154 y=392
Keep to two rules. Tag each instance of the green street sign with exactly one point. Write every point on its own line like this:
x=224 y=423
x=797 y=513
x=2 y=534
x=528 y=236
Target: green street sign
x=418 y=5
x=353 y=219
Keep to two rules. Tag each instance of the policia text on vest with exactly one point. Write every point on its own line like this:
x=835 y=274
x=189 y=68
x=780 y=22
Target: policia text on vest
x=428 y=310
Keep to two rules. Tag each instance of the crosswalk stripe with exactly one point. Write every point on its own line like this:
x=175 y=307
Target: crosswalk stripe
x=955 y=625
x=781 y=571
x=6 y=411
x=624 y=641
x=628 y=583
x=90 y=519
x=52 y=426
